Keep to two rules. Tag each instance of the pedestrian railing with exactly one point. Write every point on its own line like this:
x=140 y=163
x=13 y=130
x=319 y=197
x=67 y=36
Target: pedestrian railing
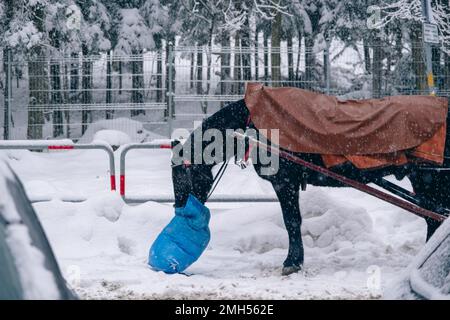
x=63 y=145
x=158 y=144
x=167 y=144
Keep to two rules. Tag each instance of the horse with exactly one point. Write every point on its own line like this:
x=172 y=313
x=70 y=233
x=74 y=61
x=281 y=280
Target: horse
x=197 y=179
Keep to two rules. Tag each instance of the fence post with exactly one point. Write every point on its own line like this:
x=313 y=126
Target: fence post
x=426 y=7
x=170 y=93
x=7 y=95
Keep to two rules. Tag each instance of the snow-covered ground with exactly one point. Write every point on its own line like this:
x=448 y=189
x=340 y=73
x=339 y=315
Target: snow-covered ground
x=355 y=245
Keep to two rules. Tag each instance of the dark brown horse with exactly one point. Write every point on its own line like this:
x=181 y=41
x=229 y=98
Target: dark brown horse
x=197 y=179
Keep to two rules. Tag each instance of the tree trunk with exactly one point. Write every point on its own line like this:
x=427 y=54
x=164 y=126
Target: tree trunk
x=237 y=64
x=225 y=66
x=276 y=57
x=86 y=95
x=18 y=72
x=8 y=6
x=66 y=98
x=170 y=69
x=38 y=82
x=386 y=74
x=6 y=93
x=56 y=98
x=326 y=66
x=418 y=59
x=209 y=58
x=159 y=68
x=192 y=70
x=137 y=79
x=377 y=67
x=299 y=54
x=310 y=61
x=290 y=56
x=398 y=44
x=266 y=57
x=256 y=56
x=367 y=59
x=246 y=56
x=199 y=80
x=38 y=91
x=74 y=84
x=109 y=56
x=447 y=73
x=120 y=76
x=55 y=84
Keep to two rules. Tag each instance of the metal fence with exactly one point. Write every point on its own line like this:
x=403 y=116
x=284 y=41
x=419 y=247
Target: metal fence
x=66 y=144
x=168 y=198
x=155 y=92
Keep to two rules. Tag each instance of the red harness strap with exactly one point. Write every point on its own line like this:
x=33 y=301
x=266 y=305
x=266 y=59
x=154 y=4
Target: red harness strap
x=247 y=151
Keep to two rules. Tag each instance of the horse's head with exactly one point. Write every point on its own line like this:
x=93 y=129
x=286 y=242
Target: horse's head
x=189 y=178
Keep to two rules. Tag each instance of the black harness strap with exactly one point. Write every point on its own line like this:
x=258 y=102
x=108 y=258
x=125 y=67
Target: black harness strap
x=218 y=177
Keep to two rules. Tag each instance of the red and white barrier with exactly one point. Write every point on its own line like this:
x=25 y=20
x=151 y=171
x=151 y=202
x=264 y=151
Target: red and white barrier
x=167 y=144
x=157 y=144
x=65 y=144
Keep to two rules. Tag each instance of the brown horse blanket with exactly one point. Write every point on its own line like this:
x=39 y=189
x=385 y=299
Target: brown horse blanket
x=369 y=133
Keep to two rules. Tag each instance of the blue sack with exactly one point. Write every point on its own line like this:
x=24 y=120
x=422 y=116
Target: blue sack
x=183 y=240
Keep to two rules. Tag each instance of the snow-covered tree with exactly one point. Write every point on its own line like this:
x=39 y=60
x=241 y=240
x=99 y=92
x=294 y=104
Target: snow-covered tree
x=409 y=12
x=412 y=10
x=134 y=36
x=25 y=35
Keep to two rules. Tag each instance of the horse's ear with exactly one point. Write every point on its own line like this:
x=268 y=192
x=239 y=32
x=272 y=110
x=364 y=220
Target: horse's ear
x=175 y=142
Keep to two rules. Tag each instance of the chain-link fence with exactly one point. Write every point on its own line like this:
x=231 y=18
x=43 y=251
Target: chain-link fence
x=74 y=97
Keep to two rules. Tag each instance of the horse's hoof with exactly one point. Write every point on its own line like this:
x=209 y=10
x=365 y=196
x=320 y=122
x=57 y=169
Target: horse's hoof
x=290 y=270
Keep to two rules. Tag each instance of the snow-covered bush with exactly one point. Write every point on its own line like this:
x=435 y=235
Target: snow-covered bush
x=120 y=130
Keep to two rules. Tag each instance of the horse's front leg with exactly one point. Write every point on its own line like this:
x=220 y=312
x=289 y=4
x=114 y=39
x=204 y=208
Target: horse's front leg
x=288 y=195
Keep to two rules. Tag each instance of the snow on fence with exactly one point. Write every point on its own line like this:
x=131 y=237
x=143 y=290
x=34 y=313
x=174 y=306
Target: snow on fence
x=167 y=144
x=63 y=145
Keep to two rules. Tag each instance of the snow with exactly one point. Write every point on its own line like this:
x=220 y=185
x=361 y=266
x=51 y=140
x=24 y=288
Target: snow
x=112 y=137
x=9 y=210
x=124 y=129
x=346 y=234
x=38 y=282
x=134 y=35
x=43 y=143
x=413 y=278
x=427 y=290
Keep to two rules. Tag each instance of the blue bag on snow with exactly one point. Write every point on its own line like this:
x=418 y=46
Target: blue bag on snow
x=183 y=240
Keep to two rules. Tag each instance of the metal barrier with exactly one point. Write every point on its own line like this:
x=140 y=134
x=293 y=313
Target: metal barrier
x=62 y=145
x=125 y=149
x=167 y=145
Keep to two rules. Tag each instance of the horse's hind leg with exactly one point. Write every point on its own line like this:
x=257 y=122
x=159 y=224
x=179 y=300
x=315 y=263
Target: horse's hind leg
x=432 y=226
x=433 y=186
x=288 y=195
